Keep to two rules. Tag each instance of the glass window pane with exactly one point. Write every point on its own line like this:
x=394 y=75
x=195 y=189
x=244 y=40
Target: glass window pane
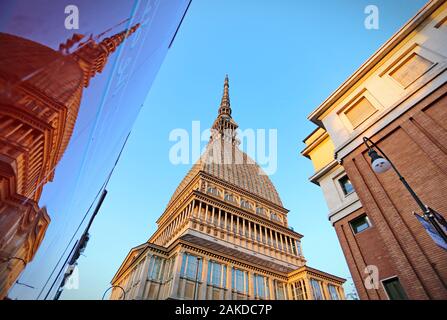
x=346 y=185
x=394 y=289
x=217 y=269
x=316 y=289
x=361 y=223
x=333 y=292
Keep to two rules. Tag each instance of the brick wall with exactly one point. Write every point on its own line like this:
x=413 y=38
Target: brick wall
x=416 y=142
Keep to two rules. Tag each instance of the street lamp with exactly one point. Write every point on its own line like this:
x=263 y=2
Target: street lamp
x=381 y=163
x=124 y=292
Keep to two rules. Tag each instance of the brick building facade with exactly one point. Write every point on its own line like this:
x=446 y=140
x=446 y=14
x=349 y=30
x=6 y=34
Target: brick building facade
x=398 y=99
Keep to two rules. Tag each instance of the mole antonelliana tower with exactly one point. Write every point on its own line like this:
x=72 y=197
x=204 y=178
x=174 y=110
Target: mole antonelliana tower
x=223 y=235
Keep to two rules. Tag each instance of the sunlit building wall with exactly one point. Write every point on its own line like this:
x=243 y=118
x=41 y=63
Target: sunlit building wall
x=398 y=99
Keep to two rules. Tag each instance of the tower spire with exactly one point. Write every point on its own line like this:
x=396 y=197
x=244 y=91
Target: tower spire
x=225 y=107
x=224 y=126
x=92 y=56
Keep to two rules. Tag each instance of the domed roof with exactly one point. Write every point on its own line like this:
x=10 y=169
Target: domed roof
x=236 y=168
x=231 y=164
x=48 y=71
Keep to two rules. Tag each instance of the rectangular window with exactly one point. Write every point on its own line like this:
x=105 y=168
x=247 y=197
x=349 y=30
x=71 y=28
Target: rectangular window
x=332 y=292
x=346 y=185
x=191 y=267
x=298 y=246
x=259 y=286
x=171 y=267
x=279 y=290
x=394 y=289
x=316 y=289
x=294 y=247
x=409 y=71
x=298 y=293
x=240 y=280
x=216 y=274
x=155 y=268
x=360 y=223
x=359 y=111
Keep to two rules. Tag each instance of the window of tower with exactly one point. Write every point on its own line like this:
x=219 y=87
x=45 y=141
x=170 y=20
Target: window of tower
x=245 y=204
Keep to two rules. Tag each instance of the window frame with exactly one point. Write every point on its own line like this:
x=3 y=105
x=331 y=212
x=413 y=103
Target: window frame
x=234 y=283
x=320 y=289
x=364 y=215
x=344 y=191
x=185 y=264
x=415 y=48
x=386 y=292
x=364 y=94
x=329 y=286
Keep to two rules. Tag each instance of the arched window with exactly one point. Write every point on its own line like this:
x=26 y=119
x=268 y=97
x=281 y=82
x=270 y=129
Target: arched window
x=213 y=190
x=245 y=204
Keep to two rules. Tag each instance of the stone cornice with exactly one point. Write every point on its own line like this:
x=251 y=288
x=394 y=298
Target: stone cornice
x=369 y=64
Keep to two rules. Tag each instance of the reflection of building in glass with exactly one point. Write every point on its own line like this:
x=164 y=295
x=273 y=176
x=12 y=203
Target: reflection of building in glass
x=40 y=94
x=223 y=235
x=398 y=99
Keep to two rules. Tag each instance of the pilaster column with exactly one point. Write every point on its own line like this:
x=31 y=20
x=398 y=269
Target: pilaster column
x=251 y=291
x=310 y=295
x=237 y=225
x=228 y=284
x=176 y=275
x=202 y=291
x=289 y=288
x=199 y=212
x=143 y=278
x=267 y=249
x=341 y=292
x=225 y=222
x=272 y=295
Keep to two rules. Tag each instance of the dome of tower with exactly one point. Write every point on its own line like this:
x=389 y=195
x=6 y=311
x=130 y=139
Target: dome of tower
x=231 y=165
x=246 y=174
x=39 y=68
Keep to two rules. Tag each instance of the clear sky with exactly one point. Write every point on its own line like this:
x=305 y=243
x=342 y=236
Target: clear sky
x=283 y=59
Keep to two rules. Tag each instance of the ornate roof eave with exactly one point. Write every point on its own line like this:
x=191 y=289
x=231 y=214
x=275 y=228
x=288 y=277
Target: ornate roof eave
x=128 y=262
x=203 y=174
x=196 y=194
x=316 y=273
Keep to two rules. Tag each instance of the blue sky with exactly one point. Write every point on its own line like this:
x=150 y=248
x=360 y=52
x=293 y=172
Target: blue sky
x=283 y=59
